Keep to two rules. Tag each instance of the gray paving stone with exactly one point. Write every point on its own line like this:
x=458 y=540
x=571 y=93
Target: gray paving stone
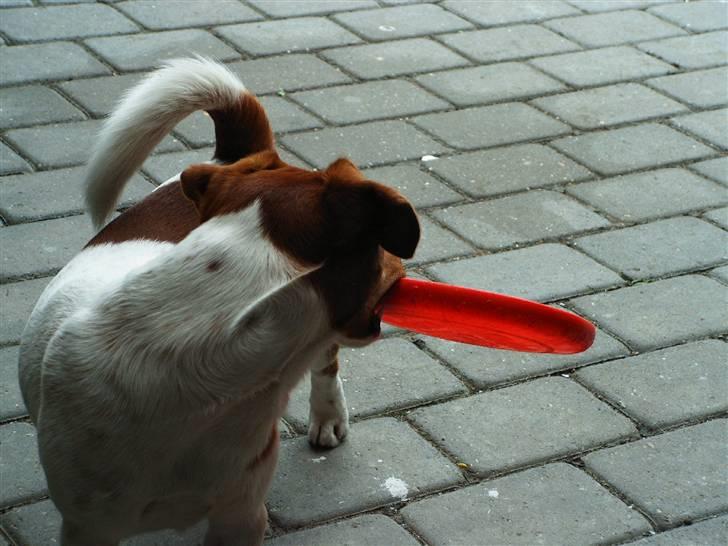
x=421 y=189
x=437 y=243
x=673 y=477
x=666 y=312
x=367 y=145
x=12 y=3
x=287 y=73
x=394 y=58
x=66 y=144
x=659 y=248
x=520 y=218
x=613 y=28
x=20 y=468
x=711 y=532
x=622 y=103
x=17 y=301
x=602 y=66
x=281 y=36
x=52 y=61
x=390 y=374
x=285 y=116
x=710 y=126
x=642 y=196
x=596 y=6
x=505 y=123
x=359 y=531
x=697 y=16
x=697 y=51
x=666 y=387
x=30 y=105
x=164 y=166
x=630 y=148
x=48 y=194
x=545 y=273
x=555 y=504
x=196 y=129
x=161 y=16
x=312 y=486
x=295 y=8
x=39 y=524
x=719 y=216
x=146 y=51
x=503 y=12
x=487 y=368
x=508 y=43
x=369 y=101
x=10 y=162
x=570 y=420
x=11 y=401
x=99 y=95
x=701 y=88
x=720 y=273
x=41 y=248
x=506 y=170
x=492 y=83
x=63 y=22
x=402 y=22
x=715 y=169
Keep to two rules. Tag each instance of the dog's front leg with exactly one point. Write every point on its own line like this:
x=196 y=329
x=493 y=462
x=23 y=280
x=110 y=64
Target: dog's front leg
x=328 y=418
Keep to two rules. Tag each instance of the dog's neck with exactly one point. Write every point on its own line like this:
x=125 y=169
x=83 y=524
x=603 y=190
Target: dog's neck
x=224 y=307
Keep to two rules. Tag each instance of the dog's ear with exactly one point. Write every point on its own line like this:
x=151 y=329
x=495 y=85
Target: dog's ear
x=195 y=181
x=361 y=210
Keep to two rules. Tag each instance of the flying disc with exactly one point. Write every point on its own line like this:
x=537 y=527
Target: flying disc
x=489 y=319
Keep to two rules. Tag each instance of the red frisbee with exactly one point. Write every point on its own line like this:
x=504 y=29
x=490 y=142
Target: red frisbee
x=484 y=318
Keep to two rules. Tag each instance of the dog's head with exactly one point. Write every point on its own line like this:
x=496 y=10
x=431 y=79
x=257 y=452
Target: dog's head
x=351 y=232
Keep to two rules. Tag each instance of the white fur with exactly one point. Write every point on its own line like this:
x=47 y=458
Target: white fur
x=155 y=381
x=145 y=116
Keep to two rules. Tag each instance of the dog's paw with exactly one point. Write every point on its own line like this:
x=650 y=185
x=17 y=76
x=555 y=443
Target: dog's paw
x=328 y=431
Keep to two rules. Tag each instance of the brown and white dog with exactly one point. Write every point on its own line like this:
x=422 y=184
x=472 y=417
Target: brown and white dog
x=157 y=363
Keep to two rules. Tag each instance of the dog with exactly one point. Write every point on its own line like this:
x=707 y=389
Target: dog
x=157 y=363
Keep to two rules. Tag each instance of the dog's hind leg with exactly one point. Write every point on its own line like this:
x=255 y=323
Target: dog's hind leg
x=328 y=418
x=75 y=535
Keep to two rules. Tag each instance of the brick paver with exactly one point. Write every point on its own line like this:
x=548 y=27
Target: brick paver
x=509 y=123
x=660 y=313
x=412 y=377
x=666 y=387
x=660 y=248
x=315 y=486
x=632 y=148
x=394 y=58
x=499 y=223
x=662 y=192
x=602 y=66
x=555 y=504
x=606 y=106
x=11 y=402
x=507 y=170
x=673 y=477
x=493 y=83
x=567 y=151
x=488 y=368
x=570 y=421
x=543 y=272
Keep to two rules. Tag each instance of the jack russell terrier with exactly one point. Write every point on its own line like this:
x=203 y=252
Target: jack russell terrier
x=157 y=363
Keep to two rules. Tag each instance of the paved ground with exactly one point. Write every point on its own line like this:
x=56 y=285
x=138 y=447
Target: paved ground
x=578 y=159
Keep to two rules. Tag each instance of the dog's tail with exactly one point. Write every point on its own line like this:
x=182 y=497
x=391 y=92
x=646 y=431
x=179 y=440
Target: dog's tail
x=149 y=111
